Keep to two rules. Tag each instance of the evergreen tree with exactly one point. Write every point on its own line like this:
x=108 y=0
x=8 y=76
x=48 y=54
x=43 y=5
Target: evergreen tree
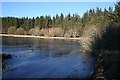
x=32 y=21
x=37 y=22
x=61 y=17
x=54 y=21
x=16 y=22
x=57 y=19
x=27 y=23
x=49 y=22
x=42 y=22
x=117 y=12
x=69 y=17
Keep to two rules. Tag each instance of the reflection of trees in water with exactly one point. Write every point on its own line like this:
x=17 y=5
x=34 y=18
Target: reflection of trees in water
x=45 y=47
x=9 y=41
x=53 y=47
x=35 y=41
x=15 y=41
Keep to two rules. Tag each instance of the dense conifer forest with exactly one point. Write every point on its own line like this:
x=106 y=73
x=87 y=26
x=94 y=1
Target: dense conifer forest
x=72 y=25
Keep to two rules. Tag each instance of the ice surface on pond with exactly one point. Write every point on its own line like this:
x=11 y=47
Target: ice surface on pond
x=45 y=58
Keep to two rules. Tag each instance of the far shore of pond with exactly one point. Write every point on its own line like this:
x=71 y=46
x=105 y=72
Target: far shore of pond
x=44 y=37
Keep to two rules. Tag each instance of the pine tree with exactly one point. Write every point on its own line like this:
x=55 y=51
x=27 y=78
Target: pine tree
x=16 y=22
x=42 y=22
x=57 y=19
x=54 y=21
x=49 y=22
x=117 y=12
x=32 y=21
x=61 y=17
x=37 y=22
x=69 y=17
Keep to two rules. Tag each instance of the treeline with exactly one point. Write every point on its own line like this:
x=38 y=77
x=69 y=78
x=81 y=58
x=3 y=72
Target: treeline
x=42 y=21
x=71 y=25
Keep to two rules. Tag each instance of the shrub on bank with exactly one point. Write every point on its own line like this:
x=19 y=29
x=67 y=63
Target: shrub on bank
x=68 y=33
x=110 y=39
x=76 y=32
x=3 y=29
x=11 y=30
x=51 y=32
x=72 y=33
x=104 y=36
x=20 y=31
x=44 y=32
x=56 y=32
x=34 y=31
x=93 y=33
x=31 y=31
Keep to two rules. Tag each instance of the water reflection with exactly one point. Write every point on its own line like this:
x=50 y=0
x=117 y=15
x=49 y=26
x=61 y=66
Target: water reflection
x=45 y=58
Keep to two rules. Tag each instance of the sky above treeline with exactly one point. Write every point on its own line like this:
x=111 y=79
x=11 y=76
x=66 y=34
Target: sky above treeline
x=34 y=9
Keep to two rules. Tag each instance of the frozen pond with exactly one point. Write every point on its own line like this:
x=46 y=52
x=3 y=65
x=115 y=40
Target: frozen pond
x=45 y=58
